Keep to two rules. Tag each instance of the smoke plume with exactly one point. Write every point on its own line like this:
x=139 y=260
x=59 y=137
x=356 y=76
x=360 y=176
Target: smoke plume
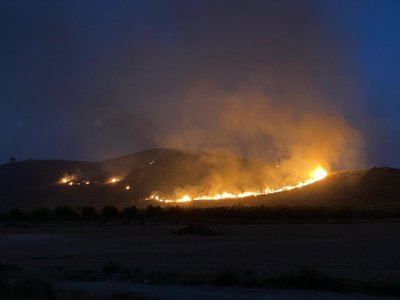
x=258 y=84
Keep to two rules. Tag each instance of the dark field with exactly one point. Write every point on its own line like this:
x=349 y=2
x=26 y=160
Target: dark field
x=354 y=251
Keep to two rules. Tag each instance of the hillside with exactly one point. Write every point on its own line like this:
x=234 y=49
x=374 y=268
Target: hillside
x=370 y=188
x=35 y=183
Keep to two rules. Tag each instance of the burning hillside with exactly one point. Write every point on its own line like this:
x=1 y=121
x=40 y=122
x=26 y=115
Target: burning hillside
x=258 y=134
x=315 y=175
x=254 y=179
x=177 y=176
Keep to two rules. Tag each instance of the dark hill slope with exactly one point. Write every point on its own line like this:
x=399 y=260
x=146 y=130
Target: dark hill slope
x=33 y=183
x=372 y=188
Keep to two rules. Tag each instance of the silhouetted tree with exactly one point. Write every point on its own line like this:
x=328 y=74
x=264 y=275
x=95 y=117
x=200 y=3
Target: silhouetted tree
x=17 y=214
x=41 y=213
x=110 y=211
x=152 y=210
x=130 y=212
x=89 y=212
x=65 y=212
x=13 y=159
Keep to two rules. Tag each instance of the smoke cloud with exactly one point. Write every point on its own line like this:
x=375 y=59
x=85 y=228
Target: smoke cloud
x=258 y=79
x=258 y=84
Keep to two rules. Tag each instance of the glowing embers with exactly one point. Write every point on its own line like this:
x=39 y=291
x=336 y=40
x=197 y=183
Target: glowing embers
x=155 y=197
x=315 y=175
x=67 y=179
x=114 y=180
x=71 y=180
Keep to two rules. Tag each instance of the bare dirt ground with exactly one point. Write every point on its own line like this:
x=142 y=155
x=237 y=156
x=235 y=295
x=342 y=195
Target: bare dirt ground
x=357 y=251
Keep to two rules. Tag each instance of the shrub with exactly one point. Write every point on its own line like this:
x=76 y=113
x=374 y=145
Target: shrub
x=65 y=212
x=110 y=211
x=17 y=214
x=89 y=212
x=130 y=212
x=41 y=213
x=153 y=210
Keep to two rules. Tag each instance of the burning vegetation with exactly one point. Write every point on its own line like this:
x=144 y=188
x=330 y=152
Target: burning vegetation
x=192 y=193
x=114 y=179
x=73 y=180
x=67 y=179
x=315 y=175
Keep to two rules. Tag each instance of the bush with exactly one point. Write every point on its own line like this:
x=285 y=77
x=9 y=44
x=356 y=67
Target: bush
x=130 y=212
x=17 y=214
x=153 y=211
x=110 y=212
x=65 y=212
x=41 y=213
x=89 y=212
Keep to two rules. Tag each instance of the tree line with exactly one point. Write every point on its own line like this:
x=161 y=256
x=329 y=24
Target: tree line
x=200 y=214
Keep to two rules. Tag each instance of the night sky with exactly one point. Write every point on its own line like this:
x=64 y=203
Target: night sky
x=94 y=79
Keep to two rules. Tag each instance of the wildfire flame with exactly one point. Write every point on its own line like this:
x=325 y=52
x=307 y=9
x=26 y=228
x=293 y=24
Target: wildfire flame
x=315 y=175
x=114 y=180
x=318 y=174
x=67 y=179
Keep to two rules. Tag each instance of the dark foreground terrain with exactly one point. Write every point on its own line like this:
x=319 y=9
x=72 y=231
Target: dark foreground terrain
x=336 y=257
x=364 y=251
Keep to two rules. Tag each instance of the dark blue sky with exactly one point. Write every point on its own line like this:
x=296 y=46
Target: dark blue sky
x=92 y=79
x=373 y=30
